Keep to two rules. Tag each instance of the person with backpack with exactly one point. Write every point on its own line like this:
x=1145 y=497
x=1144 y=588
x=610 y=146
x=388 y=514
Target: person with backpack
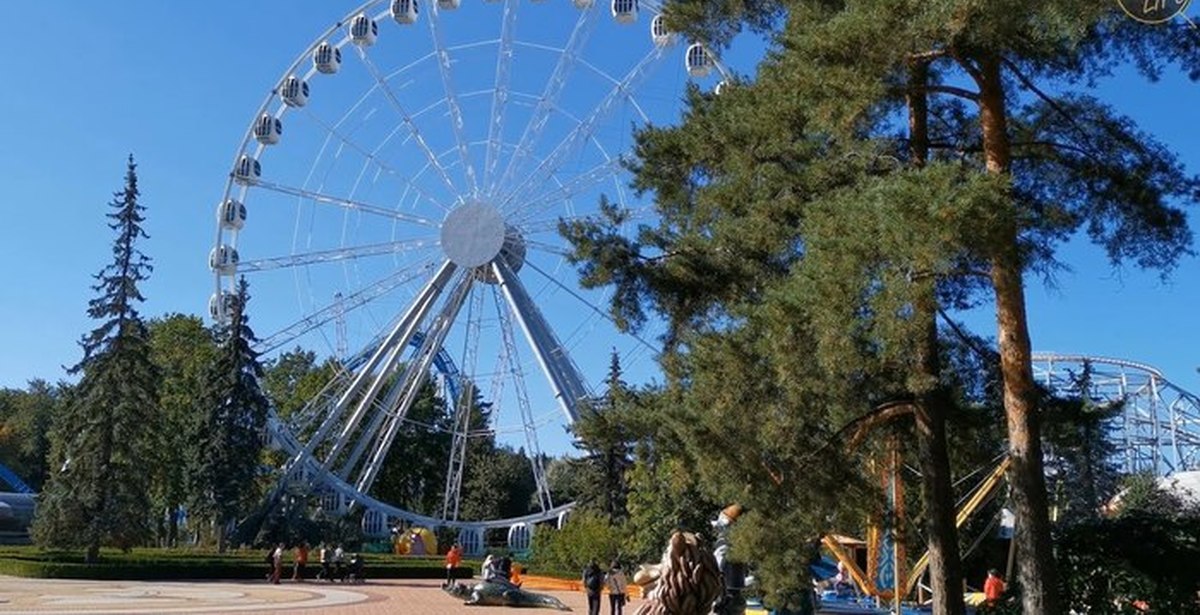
x=617 y=584
x=593 y=584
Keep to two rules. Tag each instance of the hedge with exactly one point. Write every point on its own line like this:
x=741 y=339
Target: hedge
x=161 y=564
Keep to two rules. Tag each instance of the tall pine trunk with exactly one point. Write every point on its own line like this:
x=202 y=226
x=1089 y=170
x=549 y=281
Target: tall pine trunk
x=1026 y=476
x=945 y=565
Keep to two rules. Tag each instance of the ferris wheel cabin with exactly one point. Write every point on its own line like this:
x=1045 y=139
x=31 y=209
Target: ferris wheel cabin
x=698 y=62
x=247 y=171
x=624 y=11
x=223 y=259
x=659 y=32
x=221 y=305
x=232 y=215
x=405 y=11
x=294 y=92
x=447 y=5
x=327 y=58
x=363 y=30
x=584 y=4
x=268 y=129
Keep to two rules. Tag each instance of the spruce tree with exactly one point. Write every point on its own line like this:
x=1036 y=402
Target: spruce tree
x=232 y=412
x=98 y=492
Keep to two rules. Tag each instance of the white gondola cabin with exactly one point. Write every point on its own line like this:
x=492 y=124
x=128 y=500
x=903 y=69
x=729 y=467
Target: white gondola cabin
x=624 y=11
x=659 y=32
x=294 y=92
x=584 y=4
x=223 y=259
x=405 y=11
x=247 y=171
x=232 y=215
x=327 y=58
x=221 y=305
x=268 y=129
x=363 y=30
x=447 y=5
x=699 y=62
x=721 y=87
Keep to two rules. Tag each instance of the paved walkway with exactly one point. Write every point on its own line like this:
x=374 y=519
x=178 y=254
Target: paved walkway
x=406 y=596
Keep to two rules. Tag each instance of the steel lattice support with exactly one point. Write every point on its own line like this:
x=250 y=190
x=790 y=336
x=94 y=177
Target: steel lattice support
x=1159 y=428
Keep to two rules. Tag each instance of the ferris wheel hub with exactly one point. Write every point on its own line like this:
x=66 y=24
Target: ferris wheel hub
x=473 y=234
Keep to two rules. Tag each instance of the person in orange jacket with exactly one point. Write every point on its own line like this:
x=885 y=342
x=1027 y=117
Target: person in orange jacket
x=993 y=587
x=453 y=559
x=515 y=576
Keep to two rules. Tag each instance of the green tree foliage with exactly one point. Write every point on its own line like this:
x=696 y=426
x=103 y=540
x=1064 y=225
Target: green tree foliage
x=1148 y=553
x=1080 y=451
x=414 y=474
x=1003 y=79
x=25 y=417
x=498 y=484
x=295 y=378
x=602 y=431
x=586 y=537
x=183 y=349
x=99 y=490
x=232 y=414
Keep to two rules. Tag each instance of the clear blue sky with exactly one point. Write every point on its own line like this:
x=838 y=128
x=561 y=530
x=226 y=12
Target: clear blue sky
x=177 y=83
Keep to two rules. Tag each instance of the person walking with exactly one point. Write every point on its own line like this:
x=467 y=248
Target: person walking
x=301 y=562
x=617 y=585
x=453 y=560
x=339 y=562
x=326 y=559
x=277 y=564
x=593 y=584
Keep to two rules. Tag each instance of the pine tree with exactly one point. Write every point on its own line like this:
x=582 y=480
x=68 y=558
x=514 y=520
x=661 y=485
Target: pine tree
x=98 y=490
x=229 y=438
x=1060 y=161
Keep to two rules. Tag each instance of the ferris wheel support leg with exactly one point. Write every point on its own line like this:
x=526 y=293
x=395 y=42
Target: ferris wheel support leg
x=413 y=319
x=556 y=364
x=414 y=376
x=433 y=288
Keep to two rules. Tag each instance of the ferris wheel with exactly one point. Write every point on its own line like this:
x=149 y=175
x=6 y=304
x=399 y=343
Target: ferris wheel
x=395 y=204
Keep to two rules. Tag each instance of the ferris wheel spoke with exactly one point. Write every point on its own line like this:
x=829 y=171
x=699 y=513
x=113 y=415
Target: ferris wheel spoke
x=414 y=376
x=552 y=356
x=350 y=204
x=342 y=306
x=500 y=92
x=341 y=254
x=549 y=99
x=373 y=157
x=529 y=427
x=394 y=101
x=591 y=306
x=456 y=115
x=544 y=201
x=574 y=140
x=463 y=406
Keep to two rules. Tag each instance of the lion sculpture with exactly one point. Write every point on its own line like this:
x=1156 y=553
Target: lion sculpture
x=685 y=582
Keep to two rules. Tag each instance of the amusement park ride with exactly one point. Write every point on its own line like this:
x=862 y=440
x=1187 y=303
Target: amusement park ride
x=441 y=146
x=430 y=151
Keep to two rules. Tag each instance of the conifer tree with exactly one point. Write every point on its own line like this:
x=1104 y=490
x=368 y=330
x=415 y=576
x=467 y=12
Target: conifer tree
x=233 y=414
x=603 y=432
x=1007 y=76
x=98 y=490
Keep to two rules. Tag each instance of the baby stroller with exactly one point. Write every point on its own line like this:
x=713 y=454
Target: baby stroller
x=355 y=573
